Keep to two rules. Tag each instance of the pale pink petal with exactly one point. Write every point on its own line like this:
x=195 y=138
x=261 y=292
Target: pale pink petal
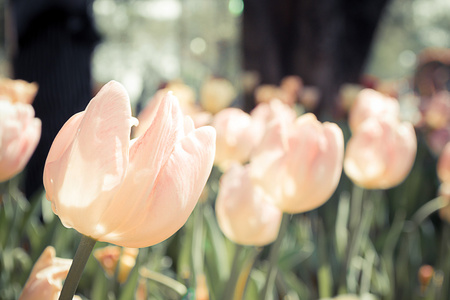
x=244 y=213
x=94 y=164
x=174 y=196
x=148 y=154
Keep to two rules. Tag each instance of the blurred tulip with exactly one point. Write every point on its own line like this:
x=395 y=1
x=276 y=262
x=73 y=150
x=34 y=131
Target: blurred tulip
x=267 y=92
x=141 y=290
x=45 y=280
x=425 y=274
x=292 y=86
x=201 y=289
x=443 y=165
x=217 y=94
x=437 y=112
x=17 y=91
x=443 y=170
x=244 y=211
x=237 y=136
x=370 y=103
x=133 y=194
x=299 y=163
x=20 y=132
x=109 y=256
x=269 y=111
x=185 y=94
x=310 y=97
x=381 y=153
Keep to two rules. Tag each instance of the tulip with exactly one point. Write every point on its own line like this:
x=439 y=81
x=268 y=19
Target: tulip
x=299 y=163
x=436 y=114
x=20 y=132
x=443 y=165
x=267 y=92
x=244 y=211
x=268 y=111
x=133 y=194
x=237 y=136
x=200 y=118
x=370 y=103
x=381 y=153
x=17 y=91
x=217 y=94
x=110 y=256
x=45 y=280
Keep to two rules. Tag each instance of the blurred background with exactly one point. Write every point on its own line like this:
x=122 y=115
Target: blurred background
x=147 y=42
x=398 y=47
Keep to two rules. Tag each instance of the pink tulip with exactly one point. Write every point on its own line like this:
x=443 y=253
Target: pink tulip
x=200 y=117
x=133 y=194
x=45 y=280
x=237 y=136
x=299 y=163
x=370 y=103
x=381 y=153
x=244 y=211
x=20 y=132
x=266 y=112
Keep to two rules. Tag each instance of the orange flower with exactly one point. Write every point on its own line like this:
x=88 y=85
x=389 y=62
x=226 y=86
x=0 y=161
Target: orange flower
x=299 y=163
x=17 y=91
x=130 y=193
x=45 y=280
x=244 y=211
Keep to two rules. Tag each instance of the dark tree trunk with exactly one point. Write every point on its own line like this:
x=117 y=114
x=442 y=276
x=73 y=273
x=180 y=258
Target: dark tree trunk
x=326 y=42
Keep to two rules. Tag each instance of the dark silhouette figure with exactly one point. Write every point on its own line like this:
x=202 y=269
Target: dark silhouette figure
x=51 y=43
x=325 y=42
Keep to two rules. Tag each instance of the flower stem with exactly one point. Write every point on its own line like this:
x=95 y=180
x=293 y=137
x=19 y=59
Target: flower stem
x=76 y=269
x=273 y=258
x=231 y=284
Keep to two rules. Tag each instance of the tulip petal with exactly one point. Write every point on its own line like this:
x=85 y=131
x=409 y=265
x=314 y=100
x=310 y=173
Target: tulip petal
x=244 y=213
x=174 y=195
x=148 y=154
x=92 y=167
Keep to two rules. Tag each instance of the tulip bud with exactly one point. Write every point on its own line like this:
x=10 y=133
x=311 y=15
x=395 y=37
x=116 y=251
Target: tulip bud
x=425 y=274
x=299 y=163
x=110 y=256
x=381 y=153
x=45 y=280
x=201 y=291
x=237 y=136
x=217 y=94
x=20 y=132
x=129 y=193
x=18 y=91
x=370 y=103
x=244 y=213
x=436 y=114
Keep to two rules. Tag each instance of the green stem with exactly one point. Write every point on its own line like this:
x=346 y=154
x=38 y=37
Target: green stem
x=427 y=209
x=234 y=274
x=273 y=258
x=76 y=269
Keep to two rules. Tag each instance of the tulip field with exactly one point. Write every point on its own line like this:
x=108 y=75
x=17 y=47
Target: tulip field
x=194 y=198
